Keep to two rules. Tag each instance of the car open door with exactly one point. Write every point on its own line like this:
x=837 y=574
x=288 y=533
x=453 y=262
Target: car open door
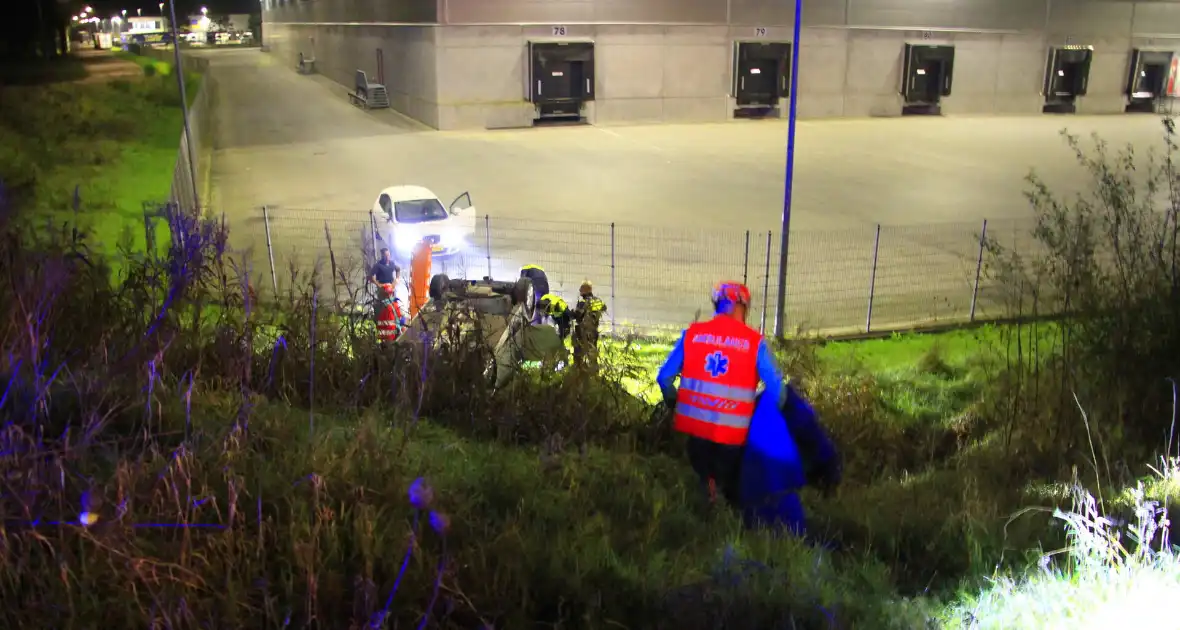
x=464 y=211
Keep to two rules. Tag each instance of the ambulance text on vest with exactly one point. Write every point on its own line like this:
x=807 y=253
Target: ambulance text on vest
x=736 y=343
x=715 y=403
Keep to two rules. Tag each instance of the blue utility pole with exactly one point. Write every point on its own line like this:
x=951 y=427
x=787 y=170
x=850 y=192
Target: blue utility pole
x=781 y=307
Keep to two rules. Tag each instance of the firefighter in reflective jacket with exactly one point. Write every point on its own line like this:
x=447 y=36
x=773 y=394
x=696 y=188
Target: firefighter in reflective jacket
x=587 y=316
x=556 y=308
x=540 y=281
x=389 y=315
x=720 y=363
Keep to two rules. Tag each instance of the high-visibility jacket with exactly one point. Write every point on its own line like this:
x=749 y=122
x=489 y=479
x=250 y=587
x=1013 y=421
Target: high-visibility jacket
x=554 y=305
x=420 y=262
x=719 y=381
x=389 y=315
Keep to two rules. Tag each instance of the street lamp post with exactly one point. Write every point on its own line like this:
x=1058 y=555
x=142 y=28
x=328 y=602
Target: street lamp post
x=788 y=185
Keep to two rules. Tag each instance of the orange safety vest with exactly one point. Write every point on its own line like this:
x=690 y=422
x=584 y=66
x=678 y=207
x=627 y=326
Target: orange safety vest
x=420 y=262
x=719 y=381
x=389 y=315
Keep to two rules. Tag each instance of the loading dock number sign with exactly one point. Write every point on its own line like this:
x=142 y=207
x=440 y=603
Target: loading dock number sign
x=760 y=31
x=558 y=31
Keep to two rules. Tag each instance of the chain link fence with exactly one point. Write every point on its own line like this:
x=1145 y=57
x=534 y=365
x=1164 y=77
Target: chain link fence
x=193 y=163
x=862 y=279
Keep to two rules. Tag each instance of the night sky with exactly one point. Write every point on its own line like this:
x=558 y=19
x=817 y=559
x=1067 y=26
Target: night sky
x=106 y=8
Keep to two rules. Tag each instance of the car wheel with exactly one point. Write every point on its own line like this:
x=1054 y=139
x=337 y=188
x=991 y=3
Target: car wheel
x=438 y=286
x=523 y=293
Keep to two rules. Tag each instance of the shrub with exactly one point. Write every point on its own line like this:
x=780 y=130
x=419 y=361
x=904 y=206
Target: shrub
x=1107 y=263
x=1104 y=576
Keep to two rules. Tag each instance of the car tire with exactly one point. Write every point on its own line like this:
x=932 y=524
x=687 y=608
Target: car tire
x=523 y=293
x=438 y=286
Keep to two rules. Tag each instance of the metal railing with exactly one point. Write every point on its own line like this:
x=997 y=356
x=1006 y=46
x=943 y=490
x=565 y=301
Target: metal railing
x=862 y=279
x=186 y=192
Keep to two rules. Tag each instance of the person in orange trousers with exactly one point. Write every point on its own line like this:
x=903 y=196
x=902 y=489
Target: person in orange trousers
x=420 y=261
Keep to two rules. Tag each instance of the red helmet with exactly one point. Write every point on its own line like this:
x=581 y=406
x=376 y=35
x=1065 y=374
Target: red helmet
x=728 y=294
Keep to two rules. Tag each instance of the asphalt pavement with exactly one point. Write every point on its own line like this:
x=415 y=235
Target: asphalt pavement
x=690 y=204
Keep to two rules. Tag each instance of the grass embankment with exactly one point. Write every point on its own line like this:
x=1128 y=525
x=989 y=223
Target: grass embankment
x=198 y=480
x=115 y=143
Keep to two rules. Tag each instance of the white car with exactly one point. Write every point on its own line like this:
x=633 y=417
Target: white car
x=412 y=213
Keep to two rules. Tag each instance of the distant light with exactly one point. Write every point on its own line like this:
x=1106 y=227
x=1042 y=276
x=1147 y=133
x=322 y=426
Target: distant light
x=88 y=9
x=75 y=18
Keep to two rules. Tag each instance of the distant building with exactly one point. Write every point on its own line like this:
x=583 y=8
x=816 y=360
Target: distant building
x=143 y=25
x=233 y=22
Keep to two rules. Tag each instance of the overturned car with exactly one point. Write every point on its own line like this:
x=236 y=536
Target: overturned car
x=492 y=317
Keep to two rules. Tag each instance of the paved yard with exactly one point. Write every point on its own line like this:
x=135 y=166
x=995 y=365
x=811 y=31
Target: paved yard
x=682 y=196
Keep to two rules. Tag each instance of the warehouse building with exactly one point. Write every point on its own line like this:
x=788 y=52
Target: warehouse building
x=476 y=64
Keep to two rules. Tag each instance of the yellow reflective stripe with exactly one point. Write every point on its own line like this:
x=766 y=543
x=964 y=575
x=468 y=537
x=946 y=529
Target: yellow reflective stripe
x=530 y=267
x=714 y=417
x=740 y=394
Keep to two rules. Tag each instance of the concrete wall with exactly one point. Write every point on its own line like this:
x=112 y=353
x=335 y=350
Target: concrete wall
x=408 y=54
x=351 y=11
x=672 y=60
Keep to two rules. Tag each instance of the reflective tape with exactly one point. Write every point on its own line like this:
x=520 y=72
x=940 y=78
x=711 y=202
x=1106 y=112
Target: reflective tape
x=740 y=394
x=714 y=417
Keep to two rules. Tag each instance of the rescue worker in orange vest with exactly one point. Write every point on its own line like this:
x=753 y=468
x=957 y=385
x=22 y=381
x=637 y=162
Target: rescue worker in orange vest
x=389 y=314
x=420 y=262
x=720 y=363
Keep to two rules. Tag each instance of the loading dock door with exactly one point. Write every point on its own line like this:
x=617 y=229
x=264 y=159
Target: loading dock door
x=561 y=76
x=762 y=73
x=927 y=72
x=1147 y=79
x=1067 y=73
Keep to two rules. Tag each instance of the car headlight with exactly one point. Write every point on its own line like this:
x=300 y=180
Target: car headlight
x=405 y=239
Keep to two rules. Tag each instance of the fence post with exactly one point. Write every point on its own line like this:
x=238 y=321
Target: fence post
x=978 y=269
x=765 y=286
x=270 y=251
x=487 y=240
x=373 y=236
x=873 y=280
x=746 y=261
x=149 y=233
x=613 y=309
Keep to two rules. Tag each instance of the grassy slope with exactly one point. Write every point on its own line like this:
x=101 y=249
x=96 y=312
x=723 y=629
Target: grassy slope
x=117 y=143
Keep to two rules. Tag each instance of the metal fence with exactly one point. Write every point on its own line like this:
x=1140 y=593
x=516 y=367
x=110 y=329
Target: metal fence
x=863 y=279
x=193 y=165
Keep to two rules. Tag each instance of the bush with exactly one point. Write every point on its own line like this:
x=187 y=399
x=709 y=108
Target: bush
x=1104 y=576
x=1107 y=263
